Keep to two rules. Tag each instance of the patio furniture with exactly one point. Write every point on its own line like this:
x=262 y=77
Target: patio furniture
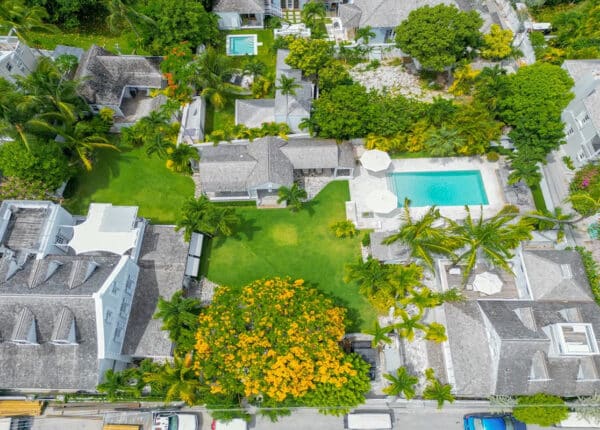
x=375 y=160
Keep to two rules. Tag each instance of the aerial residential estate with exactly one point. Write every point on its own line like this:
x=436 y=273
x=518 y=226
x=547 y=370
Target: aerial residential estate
x=289 y=214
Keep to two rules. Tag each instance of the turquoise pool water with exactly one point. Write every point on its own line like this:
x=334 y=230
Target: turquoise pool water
x=452 y=188
x=241 y=45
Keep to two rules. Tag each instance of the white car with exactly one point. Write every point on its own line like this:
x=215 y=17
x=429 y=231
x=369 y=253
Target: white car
x=174 y=421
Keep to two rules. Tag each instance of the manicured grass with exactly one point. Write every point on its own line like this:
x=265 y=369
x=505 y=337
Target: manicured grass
x=131 y=178
x=277 y=242
x=538 y=198
x=124 y=42
x=220 y=120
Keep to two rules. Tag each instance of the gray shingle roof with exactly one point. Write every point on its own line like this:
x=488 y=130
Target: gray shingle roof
x=239 y=6
x=105 y=75
x=382 y=13
x=547 y=280
x=395 y=252
x=240 y=167
x=298 y=104
x=49 y=366
x=162 y=264
x=253 y=112
x=494 y=325
x=579 y=68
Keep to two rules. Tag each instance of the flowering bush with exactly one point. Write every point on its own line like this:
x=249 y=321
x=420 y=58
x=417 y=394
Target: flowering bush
x=585 y=189
x=275 y=341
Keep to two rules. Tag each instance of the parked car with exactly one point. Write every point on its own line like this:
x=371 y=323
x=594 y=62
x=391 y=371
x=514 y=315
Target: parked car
x=174 y=421
x=489 y=421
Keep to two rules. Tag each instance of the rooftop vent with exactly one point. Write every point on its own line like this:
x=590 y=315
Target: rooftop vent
x=526 y=317
x=53 y=266
x=587 y=370
x=571 y=315
x=89 y=271
x=539 y=370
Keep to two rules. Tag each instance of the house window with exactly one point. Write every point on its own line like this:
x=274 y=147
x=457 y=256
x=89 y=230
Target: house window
x=124 y=309
x=8 y=67
x=581 y=156
x=570 y=131
x=115 y=289
x=108 y=317
x=129 y=286
x=119 y=332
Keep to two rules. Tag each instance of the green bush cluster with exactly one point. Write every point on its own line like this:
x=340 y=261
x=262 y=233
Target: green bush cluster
x=592 y=271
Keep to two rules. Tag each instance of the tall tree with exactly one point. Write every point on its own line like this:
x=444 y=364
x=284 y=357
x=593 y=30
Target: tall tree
x=23 y=19
x=439 y=36
x=439 y=392
x=401 y=383
x=408 y=326
x=310 y=55
x=497 y=44
x=380 y=335
x=313 y=15
x=423 y=236
x=178 y=315
x=443 y=142
x=254 y=67
x=123 y=15
x=179 y=381
x=213 y=72
x=493 y=239
x=371 y=276
x=364 y=34
x=287 y=86
x=179 y=157
x=201 y=215
x=118 y=384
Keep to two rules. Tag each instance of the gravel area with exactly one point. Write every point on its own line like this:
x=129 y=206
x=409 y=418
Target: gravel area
x=394 y=79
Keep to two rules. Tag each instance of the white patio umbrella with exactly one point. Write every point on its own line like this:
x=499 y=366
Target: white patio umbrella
x=375 y=160
x=487 y=283
x=382 y=201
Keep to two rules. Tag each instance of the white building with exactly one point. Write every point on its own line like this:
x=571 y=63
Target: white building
x=67 y=288
x=16 y=58
x=582 y=115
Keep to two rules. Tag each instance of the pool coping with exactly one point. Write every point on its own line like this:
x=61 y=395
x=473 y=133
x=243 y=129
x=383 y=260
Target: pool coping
x=254 y=36
x=366 y=181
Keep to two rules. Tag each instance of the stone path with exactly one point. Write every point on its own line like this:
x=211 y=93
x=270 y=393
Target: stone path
x=394 y=79
x=197 y=184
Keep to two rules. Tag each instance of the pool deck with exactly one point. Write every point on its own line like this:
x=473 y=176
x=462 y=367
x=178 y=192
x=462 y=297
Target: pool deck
x=365 y=182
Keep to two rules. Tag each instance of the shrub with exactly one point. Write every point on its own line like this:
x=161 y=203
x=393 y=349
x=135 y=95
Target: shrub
x=592 y=271
x=492 y=156
x=342 y=229
x=366 y=240
x=44 y=163
x=13 y=188
x=586 y=184
x=568 y=162
x=542 y=409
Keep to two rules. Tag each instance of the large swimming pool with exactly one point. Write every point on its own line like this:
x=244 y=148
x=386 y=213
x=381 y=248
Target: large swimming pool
x=242 y=44
x=451 y=188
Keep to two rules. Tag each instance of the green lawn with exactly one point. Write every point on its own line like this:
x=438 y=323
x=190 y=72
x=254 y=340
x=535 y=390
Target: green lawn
x=123 y=42
x=277 y=242
x=131 y=178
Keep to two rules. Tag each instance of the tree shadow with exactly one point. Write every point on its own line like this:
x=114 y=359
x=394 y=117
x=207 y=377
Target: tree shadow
x=245 y=231
x=310 y=207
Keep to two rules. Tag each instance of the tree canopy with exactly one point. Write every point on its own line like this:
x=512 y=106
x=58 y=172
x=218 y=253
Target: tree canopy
x=276 y=341
x=439 y=36
x=309 y=55
x=541 y=409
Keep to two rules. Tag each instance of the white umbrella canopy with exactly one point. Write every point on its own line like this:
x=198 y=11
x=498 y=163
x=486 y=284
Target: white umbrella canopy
x=382 y=201
x=375 y=160
x=487 y=283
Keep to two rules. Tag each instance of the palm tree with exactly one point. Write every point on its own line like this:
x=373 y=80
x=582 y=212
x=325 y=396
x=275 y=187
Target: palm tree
x=293 y=196
x=524 y=165
x=287 y=86
x=407 y=327
x=75 y=138
x=124 y=15
x=491 y=87
x=493 y=239
x=201 y=215
x=422 y=236
x=436 y=332
x=213 y=72
x=157 y=144
x=441 y=111
x=254 y=67
x=118 y=384
x=179 y=380
x=371 y=276
x=443 y=142
x=178 y=314
x=546 y=220
x=401 y=383
x=308 y=124
x=313 y=13
x=380 y=335
x=179 y=158
x=365 y=34
x=422 y=298
x=439 y=392
x=23 y=19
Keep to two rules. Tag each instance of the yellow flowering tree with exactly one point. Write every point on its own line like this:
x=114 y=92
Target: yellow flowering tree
x=275 y=342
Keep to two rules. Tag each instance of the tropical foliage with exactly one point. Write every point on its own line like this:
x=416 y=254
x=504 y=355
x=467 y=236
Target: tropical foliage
x=277 y=340
x=203 y=216
x=240 y=131
x=436 y=390
x=179 y=316
x=585 y=190
x=343 y=229
x=401 y=383
x=294 y=196
x=497 y=44
x=439 y=36
x=541 y=409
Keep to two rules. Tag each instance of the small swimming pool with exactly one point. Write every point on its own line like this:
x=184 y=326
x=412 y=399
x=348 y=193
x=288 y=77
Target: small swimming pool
x=451 y=188
x=242 y=44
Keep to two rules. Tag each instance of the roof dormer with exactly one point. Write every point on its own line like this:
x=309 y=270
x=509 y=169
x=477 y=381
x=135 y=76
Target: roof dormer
x=25 y=330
